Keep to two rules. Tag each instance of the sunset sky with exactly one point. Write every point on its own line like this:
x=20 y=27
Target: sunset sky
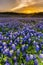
x=21 y=6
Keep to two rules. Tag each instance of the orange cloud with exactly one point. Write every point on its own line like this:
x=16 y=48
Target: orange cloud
x=29 y=6
x=21 y=6
x=29 y=9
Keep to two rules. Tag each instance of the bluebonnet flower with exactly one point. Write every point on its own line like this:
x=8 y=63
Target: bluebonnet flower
x=31 y=56
x=4 y=44
x=0 y=33
x=34 y=57
x=7 y=63
x=10 y=53
x=23 y=48
x=17 y=40
x=35 y=62
x=41 y=45
x=10 y=36
x=29 y=40
x=15 y=63
x=35 y=43
x=1 y=37
x=41 y=55
x=5 y=38
x=5 y=47
x=6 y=51
x=31 y=34
x=10 y=43
x=37 y=48
x=38 y=36
x=15 y=43
x=28 y=35
x=15 y=59
x=27 y=58
x=26 y=46
x=13 y=47
x=42 y=52
x=1 y=48
x=18 y=52
x=7 y=34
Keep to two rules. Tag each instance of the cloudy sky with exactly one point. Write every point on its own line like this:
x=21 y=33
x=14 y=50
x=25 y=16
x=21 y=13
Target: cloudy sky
x=23 y=6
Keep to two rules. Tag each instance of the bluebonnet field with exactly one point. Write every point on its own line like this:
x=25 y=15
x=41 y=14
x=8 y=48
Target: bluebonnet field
x=21 y=43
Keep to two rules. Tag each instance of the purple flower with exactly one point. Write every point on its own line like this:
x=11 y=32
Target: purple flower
x=26 y=46
x=27 y=58
x=7 y=63
x=6 y=51
x=5 y=47
x=4 y=44
x=36 y=62
x=34 y=57
x=15 y=59
x=31 y=56
x=10 y=42
x=42 y=52
x=13 y=47
x=10 y=53
x=15 y=63
x=37 y=48
x=35 y=43
x=29 y=40
x=18 y=52
x=41 y=55
x=23 y=47
x=1 y=37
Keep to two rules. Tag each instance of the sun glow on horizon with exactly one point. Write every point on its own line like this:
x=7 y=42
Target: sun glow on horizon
x=29 y=10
